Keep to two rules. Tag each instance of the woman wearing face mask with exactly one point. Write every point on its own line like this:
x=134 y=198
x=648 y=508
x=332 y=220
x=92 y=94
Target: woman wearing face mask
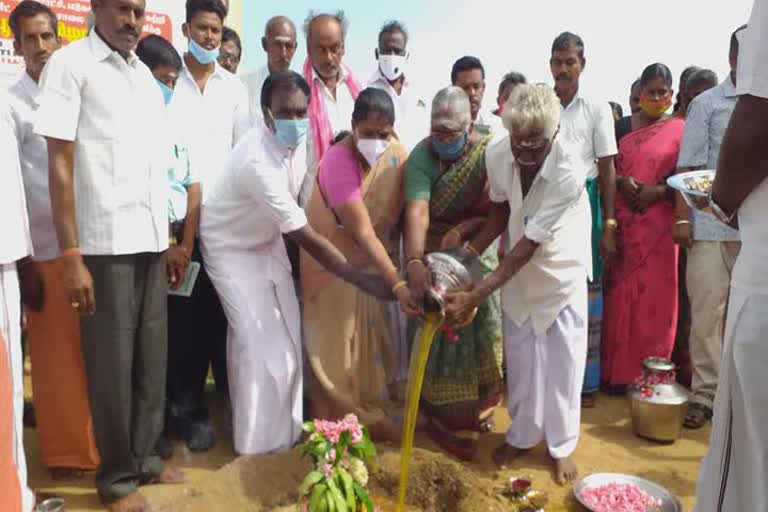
x=357 y=204
x=447 y=202
x=641 y=301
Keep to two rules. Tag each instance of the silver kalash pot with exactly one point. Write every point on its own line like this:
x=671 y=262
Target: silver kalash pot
x=658 y=410
x=449 y=269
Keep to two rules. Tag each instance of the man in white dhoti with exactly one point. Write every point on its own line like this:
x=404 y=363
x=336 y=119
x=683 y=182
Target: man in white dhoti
x=252 y=205
x=734 y=475
x=542 y=202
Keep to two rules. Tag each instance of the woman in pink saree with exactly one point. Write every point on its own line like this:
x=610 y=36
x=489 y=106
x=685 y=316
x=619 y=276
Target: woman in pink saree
x=641 y=302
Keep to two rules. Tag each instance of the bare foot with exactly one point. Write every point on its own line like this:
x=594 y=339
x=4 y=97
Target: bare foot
x=505 y=454
x=66 y=473
x=134 y=502
x=565 y=471
x=170 y=475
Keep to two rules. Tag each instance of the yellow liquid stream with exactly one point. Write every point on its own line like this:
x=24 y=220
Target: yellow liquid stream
x=415 y=379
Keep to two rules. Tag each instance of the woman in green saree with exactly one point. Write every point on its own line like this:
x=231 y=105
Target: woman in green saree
x=446 y=192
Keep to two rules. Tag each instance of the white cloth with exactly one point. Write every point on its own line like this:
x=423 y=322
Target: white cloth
x=253 y=204
x=14 y=227
x=545 y=373
x=113 y=111
x=412 y=122
x=10 y=323
x=735 y=471
x=490 y=122
x=33 y=155
x=253 y=82
x=590 y=127
x=708 y=117
x=214 y=121
x=556 y=214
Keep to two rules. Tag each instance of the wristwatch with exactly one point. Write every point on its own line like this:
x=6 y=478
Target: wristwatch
x=719 y=212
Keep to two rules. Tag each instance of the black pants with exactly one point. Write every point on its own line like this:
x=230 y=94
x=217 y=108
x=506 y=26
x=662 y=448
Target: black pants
x=125 y=349
x=197 y=340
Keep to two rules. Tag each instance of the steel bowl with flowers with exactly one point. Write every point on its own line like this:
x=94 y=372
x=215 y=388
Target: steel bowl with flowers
x=694 y=186
x=339 y=451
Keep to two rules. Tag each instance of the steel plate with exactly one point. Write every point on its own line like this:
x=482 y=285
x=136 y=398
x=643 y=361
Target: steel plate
x=669 y=502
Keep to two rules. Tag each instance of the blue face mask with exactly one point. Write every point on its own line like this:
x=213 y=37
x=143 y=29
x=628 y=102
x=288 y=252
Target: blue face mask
x=167 y=91
x=202 y=55
x=291 y=133
x=450 y=151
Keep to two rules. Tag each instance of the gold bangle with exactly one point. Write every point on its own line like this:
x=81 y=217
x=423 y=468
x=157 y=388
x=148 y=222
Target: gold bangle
x=398 y=285
x=172 y=241
x=412 y=261
x=456 y=232
x=611 y=223
x=468 y=246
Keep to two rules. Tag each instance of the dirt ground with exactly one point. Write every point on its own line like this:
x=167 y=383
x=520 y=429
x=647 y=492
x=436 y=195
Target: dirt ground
x=219 y=482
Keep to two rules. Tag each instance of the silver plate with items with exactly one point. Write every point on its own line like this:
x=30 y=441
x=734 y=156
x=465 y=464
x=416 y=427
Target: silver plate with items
x=669 y=503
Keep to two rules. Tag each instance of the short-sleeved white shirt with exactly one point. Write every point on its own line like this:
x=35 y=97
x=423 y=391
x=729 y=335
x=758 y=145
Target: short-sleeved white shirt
x=749 y=271
x=113 y=111
x=254 y=82
x=412 y=123
x=214 y=121
x=255 y=198
x=556 y=214
x=14 y=227
x=33 y=155
x=588 y=125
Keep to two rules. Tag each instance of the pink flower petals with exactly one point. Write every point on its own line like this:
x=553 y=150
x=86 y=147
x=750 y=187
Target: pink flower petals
x=617 y=497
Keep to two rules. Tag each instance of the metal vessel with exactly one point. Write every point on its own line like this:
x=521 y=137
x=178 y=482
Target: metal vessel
x=659 y=415
x=449 y=270
x=669 y=502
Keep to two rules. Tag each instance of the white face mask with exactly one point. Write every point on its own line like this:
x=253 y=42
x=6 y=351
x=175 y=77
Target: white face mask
x=392 y=66
x=372 y=149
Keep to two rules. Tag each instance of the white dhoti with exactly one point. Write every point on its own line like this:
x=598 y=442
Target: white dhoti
x=10 y=323
x=734 y=475
x=263 y=348
x=544 y=379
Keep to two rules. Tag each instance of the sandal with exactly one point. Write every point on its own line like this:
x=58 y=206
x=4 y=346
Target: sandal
x=698 y=415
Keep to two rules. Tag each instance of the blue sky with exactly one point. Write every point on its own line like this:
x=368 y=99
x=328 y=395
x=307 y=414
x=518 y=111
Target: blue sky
x=621 y=36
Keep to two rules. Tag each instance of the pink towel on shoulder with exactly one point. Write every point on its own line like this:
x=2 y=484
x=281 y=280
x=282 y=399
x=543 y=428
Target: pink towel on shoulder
x=322 y=135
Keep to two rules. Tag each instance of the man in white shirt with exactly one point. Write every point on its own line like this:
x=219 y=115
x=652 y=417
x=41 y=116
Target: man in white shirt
x=589 y=127
x=214 y=104
x=735 y=471
x=253 y=205
x=102 y=114
x=712 y=246
x=540 y=198
x=333 y=85
x=279 y=42
x=65 y=441
x=469 y=74
x=14 y=252
x=411 y=120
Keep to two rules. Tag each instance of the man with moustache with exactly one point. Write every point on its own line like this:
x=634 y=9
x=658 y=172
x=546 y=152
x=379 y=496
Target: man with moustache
x=64 y=436
x=103 y=116
x=279 y=42
x=589 y=126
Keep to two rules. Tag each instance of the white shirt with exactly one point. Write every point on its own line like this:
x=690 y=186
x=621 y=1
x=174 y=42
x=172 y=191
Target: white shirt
x=590 y=127
x=14 y=227
x=749 y=272
x=338 y=110
x=556 y=214
x=412 y=122
x=490 y=122
x=113 y=111
x=33 y=154
x=253 y=82
x=255 y=200
x=215 y=120
x=708 y=117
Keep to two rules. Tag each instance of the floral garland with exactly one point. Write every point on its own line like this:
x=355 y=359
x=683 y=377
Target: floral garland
x=338 y=481
x=647 y=382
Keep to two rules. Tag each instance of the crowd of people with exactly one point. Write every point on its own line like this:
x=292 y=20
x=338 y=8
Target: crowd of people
x=298 y=209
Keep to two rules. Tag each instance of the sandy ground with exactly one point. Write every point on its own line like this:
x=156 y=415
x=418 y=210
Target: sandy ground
x=219 y=482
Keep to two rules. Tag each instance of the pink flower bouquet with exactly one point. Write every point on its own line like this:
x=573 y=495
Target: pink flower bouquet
x=339 y=477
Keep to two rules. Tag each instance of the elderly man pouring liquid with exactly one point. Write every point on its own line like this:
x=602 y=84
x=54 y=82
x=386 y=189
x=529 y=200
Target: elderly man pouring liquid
x=544 y=208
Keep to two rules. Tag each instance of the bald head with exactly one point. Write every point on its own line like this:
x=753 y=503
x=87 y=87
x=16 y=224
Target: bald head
x=325 y=43
x=279 y=42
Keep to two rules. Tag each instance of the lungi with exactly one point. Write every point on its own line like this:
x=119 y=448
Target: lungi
x=595 y=293
x=544 y=378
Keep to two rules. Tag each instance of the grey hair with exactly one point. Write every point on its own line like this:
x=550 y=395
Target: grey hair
x=451 y=109
x=532 y=109
x=339 y=16
x=701 y=77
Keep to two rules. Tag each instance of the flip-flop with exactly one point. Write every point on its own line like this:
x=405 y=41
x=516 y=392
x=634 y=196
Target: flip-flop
x=697 y=416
